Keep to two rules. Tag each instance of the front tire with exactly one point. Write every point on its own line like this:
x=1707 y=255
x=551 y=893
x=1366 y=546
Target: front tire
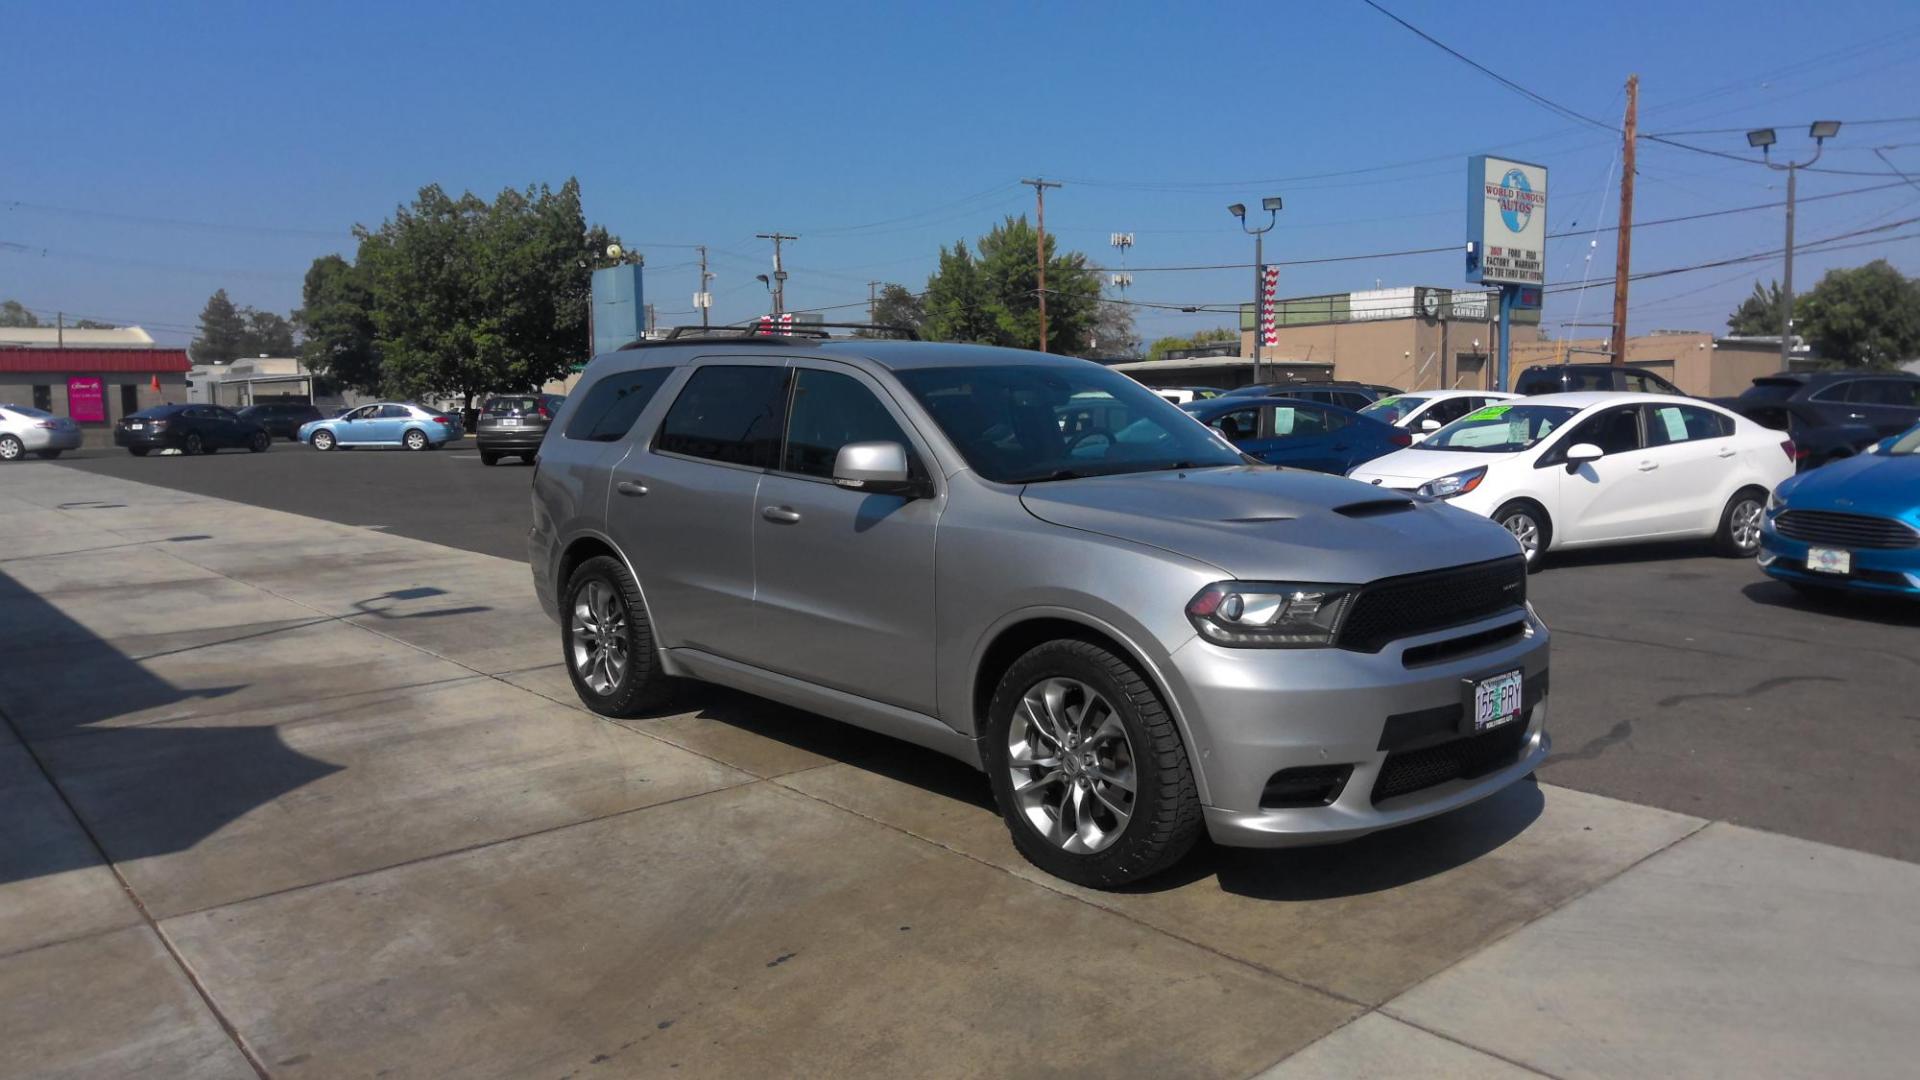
x=606 y=640
x=1738 y=536
x=324 y=440
x=195 y=444
x=260 y=442
x=1088 y=768
x=416 y=439
x=11 y=448
x=1529 y=525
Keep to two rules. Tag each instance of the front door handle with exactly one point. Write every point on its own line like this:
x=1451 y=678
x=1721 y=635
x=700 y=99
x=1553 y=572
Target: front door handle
x=1728 y=452
x=1649 y=466
x=628 y=487
x=780 y=514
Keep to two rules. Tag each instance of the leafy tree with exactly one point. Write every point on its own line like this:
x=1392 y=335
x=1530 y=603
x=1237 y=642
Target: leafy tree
x=1868 y=316
x=1112 y=333
x=14 y=313
x=1759 y=314
x=992 y=297
x=898 y=307
x=1161 y=347
x=223 y=331
x=336 y=324
x=93 y=324
x=267 y=334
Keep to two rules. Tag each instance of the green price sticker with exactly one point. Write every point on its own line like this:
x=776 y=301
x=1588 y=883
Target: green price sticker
x=1491 y=412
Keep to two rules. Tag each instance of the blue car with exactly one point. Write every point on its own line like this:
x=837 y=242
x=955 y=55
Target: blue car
x=1854 y=524
x=387 y=423
x=1300 y=434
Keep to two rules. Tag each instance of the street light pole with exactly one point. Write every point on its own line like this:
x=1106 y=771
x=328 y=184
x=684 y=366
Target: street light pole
x=1271 y=204
x=1763 y=138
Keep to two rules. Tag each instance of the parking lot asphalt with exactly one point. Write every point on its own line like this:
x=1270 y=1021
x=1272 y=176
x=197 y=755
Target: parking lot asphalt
x=1680 y=680
x=286 y=797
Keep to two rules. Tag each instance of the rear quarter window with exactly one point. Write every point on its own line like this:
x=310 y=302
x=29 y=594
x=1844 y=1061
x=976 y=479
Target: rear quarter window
x=728 y=414
x=611 y=405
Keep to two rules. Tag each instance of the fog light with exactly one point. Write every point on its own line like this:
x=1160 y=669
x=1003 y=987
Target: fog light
x=1306 y=785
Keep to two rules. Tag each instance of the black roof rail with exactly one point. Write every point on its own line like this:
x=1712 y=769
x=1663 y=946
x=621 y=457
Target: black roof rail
x=751 y=332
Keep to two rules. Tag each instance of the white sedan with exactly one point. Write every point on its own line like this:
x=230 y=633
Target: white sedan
x=1426 y=411
x=1579 y=470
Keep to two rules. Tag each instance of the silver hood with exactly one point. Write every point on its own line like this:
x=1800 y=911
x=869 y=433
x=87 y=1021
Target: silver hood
x=1259 y=523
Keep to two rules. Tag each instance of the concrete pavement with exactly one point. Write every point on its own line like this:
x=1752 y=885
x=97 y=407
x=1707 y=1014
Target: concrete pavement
x=284 y=796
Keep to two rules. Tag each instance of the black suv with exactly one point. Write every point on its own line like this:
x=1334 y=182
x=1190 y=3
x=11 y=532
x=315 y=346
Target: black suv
x=1562 y=378
x=1887 y=401
x=282 y=418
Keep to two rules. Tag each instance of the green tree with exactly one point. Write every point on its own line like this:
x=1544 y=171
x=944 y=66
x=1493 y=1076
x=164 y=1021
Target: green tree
x=898 y=307
x=93 y=324
x=1868 y=316
x=992 y=297
x=223 y=331
x=14 y=313
x=1759 y=314
x=267 y=334
x=1161 y=347
x=336 y=324
x=1112 y=333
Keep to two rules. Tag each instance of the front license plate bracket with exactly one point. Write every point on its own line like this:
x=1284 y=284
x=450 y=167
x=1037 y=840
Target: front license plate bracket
x=1492 y=701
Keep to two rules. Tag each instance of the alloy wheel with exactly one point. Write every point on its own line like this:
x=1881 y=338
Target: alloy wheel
x=599 y=637
x=323 y=440
x=1526 y=530
x=194 y=444
x=1744 y=523
x=1072 y=765
x=11 y=448
x=416 y=441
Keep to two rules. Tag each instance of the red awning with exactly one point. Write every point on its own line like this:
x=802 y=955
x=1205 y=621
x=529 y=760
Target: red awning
x=141 y=361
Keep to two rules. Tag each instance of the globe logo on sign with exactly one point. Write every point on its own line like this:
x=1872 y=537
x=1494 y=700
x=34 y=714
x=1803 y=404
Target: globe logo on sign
x=1515 y=208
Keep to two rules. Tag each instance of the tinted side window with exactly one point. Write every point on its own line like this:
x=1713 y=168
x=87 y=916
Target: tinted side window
x=1451 y=409
x=1294 y=420
x=1898 y=392
x=395 y=412
x=1237 y=425
x=1835 y=392
x=831 y=410
x=1668 y=424
x=1615 y=431
x=729 y=414
x=608 y=411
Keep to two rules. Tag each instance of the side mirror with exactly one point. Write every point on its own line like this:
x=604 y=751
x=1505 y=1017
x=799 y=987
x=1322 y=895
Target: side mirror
x=878 y=468
x=1580 y=453
x=1431 y=425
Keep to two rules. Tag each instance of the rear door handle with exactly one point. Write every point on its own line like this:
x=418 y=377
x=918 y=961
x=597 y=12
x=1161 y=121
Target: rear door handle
x=1649 y=466
x=780 y=514
x=1728 y=451
x=628 y=487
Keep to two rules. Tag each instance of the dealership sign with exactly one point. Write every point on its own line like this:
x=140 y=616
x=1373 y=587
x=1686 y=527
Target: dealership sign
x=1506 y=222
x=87 y=399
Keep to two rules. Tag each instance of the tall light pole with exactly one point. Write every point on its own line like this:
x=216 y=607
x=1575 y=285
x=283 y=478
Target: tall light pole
x=1271 y=204
x=778 y=287
x=1763 y=138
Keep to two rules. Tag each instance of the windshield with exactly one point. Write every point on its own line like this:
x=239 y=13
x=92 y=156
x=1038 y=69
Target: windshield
x=1026 y=423
x=1500 y=429
x=1907 y=445
x=1392 y=410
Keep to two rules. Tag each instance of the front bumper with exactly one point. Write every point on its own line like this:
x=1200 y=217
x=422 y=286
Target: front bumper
x=1893 y=572
x=1256 y=712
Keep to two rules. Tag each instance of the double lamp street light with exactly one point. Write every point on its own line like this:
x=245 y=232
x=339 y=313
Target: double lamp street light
x=1271 y=204
x=1763 y=139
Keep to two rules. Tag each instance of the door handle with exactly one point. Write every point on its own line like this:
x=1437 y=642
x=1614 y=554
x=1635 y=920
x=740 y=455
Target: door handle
x=628 y=487
x=1727 y=451
x=780 y=514
x=1649 y=466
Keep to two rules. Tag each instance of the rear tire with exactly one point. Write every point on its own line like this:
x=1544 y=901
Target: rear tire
x=1738 y=536
x=137 y=451
x=11 y=448
x=260 y=442
x=1529 y=525
x=47 y=455
x=324 y=440
x=488 y=457
x=1065 y=815
x=415 y=439
x=607 y=643
x=195 y=445
x=528 y=458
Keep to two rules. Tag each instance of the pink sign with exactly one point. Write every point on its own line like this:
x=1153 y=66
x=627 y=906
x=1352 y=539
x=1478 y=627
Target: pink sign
x=87 y=399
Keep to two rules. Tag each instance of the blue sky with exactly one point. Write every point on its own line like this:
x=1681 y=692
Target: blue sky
x=158 y=152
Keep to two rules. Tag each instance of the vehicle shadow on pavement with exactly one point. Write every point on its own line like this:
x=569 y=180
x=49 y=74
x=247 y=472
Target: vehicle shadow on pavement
x=146 y=790
x=1627 y=554
x=1862 y=607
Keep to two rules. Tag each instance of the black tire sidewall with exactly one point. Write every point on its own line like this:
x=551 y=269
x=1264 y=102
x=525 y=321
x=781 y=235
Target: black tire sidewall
x=193 y=444
x=489 y=458
x=1723 y=542
x=1156 y=835
x=1540 y=522
x=645 y=688
x=260 y=442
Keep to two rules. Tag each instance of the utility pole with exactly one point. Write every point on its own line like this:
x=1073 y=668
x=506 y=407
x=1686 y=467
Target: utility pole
x=1624 y=241
x=1040 y=187
x=779 y=271
x=705 y=298
x=60 y=317
x=873 y=302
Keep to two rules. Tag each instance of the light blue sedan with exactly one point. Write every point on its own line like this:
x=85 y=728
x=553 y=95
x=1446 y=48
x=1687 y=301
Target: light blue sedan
x=386 y=423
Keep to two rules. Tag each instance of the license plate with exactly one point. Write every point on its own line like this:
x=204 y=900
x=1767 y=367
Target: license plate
x=1496 y=701
x=135 y=427
x=509 y=423
x=1829 y=561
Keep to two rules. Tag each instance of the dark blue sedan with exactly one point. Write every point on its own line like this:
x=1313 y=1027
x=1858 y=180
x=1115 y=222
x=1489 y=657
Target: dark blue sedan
x=1300 y=434
x=1854 y=524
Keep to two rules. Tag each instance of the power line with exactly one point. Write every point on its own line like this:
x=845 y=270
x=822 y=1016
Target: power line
x=1743 y=130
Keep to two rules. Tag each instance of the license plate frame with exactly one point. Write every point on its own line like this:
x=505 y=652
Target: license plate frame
x=509 y=422
x=1492 y=701
x=1836 y=561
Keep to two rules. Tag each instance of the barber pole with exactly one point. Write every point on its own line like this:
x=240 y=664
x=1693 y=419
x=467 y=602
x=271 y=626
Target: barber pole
x=772 y=325
x=1269 y=285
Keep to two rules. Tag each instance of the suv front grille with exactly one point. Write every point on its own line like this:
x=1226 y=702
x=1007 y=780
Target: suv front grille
x=1398 y=607
x=1846 y=530
x=1461 y=759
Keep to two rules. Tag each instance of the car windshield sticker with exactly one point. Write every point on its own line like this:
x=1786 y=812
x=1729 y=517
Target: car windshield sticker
x=1491 y=412
x=1675 y=422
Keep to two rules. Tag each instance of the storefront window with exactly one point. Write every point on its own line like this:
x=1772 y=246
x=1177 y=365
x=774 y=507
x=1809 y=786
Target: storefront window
x=43 y=398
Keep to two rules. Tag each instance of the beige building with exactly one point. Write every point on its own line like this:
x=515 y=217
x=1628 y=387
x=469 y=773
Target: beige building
x=1693 y=360
x=94 y=376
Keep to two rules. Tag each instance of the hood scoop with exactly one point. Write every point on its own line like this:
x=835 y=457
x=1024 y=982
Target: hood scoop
x=1374 y=507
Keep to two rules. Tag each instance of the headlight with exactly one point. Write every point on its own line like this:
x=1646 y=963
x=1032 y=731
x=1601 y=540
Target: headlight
x=1270 y=614
x=1446 y=487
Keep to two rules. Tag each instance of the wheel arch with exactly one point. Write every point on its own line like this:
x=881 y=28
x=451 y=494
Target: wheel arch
x=1023 y=631
x=588 y=545
x=1538 y=507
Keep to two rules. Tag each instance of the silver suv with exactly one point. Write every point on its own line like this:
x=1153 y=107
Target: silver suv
x=1036 y=565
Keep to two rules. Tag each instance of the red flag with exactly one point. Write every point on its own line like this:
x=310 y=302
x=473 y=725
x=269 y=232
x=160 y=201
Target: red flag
x=156 y=384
